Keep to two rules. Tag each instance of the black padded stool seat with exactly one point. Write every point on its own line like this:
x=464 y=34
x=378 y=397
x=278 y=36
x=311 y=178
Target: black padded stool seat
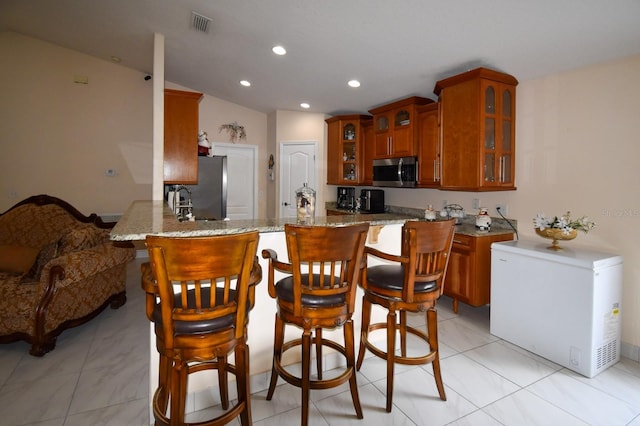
x=284 y=291
x=391 y=277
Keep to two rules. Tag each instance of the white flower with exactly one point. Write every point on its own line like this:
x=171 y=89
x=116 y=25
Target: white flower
x=563 y=222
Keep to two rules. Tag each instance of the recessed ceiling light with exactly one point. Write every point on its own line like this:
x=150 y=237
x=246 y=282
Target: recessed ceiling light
x=116 y=59
x=305 y=105
x=279 y=50
x=353 y=83
x=245 y=83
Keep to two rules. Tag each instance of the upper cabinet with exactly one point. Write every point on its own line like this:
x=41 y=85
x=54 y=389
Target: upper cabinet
x=181 y=136
x=394 y=128
x=345 y=149
x=428 y=146
x=477 y=130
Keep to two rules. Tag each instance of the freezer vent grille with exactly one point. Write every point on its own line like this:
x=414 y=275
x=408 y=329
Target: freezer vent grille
x=200 y=22
x=606 y=354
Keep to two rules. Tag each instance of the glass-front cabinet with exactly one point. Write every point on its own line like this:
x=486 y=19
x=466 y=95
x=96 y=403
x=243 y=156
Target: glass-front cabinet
x=395 y=132
x=499 y=133
x=477 y=130
x=345 y=149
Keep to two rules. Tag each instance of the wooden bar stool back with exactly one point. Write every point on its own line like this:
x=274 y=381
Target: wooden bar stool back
x=206 y=288
x=319 y=293
x=412 y=282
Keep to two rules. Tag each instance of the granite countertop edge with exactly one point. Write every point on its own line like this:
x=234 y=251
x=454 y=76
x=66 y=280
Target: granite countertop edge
x=144 y=218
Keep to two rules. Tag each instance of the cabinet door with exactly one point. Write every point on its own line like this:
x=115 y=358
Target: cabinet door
x=497 y=130
x=367 y=144
x=382 y=138
x=402 y=142
x=428 y=146
x=334 y=153
x=459 y=280
x=181 y=137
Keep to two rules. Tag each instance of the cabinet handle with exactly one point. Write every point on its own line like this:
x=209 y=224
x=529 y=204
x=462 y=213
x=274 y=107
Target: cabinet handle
x=389 y=144
x=501 y=167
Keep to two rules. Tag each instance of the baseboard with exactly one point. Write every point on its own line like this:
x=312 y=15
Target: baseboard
x=630 y=351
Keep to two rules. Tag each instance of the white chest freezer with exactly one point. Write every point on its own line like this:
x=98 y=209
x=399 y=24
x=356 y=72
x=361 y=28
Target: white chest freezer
x=563 y=305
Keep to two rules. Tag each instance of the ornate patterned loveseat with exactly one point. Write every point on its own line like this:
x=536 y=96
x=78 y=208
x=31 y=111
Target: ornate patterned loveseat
x=58 y=269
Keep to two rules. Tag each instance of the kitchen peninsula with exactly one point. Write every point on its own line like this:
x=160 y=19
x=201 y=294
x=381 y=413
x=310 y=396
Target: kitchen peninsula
x=144 y=218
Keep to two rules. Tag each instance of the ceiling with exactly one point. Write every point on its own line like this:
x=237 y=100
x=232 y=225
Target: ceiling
x=395 y=48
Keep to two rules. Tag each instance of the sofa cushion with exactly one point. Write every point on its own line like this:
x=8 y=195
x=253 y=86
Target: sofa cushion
x=80 y=238
x=47 y=253
x=17 y=259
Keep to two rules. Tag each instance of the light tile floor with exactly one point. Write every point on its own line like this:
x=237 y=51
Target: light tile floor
x=98 y=375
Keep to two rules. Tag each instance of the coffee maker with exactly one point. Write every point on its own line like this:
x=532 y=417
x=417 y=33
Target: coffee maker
x=346 y=198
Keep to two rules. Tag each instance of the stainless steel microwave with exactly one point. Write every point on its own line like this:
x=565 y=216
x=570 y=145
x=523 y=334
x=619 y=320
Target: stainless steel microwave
x=397 y=172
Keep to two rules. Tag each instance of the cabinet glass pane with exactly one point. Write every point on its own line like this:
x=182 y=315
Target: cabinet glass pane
x=506 y=103
x=349 y=132
x=349 y=152
x=402 y=118
x=349 y=172
x=506 y=135
x=382 y=123
x=489 y=167
x=505 y=172
x=489 y=133
x=490 y=100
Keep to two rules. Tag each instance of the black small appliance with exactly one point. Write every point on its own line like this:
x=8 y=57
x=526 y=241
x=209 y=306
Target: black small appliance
x=372 y=201
x=346 y=198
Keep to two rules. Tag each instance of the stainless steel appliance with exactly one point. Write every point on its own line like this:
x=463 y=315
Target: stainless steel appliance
x=209 y=196
x=372 y=201
x=397 y=172
x=346 y=198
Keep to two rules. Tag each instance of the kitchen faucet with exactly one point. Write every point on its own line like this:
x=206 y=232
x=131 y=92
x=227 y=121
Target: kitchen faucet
x=184 y=210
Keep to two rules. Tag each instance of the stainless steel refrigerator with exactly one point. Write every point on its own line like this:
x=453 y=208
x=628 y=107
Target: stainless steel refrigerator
x=209 y=196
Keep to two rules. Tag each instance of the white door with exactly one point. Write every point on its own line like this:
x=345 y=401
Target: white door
x=242 y=184
x=297 y=167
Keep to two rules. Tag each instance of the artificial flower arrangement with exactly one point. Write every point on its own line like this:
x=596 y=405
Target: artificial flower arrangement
x=564 y=222
x=235 y=131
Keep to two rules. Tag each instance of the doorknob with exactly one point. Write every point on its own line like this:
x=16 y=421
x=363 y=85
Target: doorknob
x=285 y=204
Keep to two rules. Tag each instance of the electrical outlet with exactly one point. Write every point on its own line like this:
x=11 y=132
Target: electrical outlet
x=444 y=203
x=503 y=209
x=476 y=203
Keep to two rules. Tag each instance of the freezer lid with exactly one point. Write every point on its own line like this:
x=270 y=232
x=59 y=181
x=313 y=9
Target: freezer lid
x=584 y=257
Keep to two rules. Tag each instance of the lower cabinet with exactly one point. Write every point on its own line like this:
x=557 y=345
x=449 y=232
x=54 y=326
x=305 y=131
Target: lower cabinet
x=468 y=277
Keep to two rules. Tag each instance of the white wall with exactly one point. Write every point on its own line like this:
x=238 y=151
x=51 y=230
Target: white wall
x=59 y=137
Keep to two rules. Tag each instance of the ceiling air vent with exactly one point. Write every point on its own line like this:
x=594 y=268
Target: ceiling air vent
x=200 y=22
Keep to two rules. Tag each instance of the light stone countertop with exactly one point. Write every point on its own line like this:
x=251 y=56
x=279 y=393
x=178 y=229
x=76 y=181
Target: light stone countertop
x=144 y=218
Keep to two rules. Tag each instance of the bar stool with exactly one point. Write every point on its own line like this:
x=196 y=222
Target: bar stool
x=319 y=293
x=196 y=326
x=413 y=284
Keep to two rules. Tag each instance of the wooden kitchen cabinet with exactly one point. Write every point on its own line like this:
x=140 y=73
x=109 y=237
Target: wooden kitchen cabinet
x=181 y=136
x=367 y=169
x=395 y=131
x=428 y=146
x=477 y=130
x=345 y=149
x=468 y=278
